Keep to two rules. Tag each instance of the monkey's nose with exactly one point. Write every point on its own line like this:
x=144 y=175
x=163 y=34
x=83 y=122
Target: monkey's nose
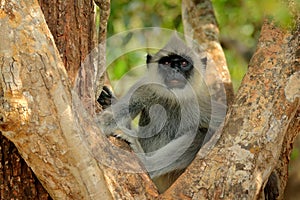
x=175 y=65
x=174 y=71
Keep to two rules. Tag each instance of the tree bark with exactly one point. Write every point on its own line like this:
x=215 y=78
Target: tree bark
x=255 y=128
x=72 y=24
x=282 y=168
x=101 y=76
x=291 y=191
x=36 y=109
x=200 y=24
x=43 y=116
x=17 y=181
x=73 y=32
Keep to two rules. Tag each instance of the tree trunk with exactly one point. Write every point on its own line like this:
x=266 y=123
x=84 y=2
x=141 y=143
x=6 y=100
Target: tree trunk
x=73 y=32
x=291 y=191
x=72 y=24
x=30 y=67
x=17 y=180
x=45 y=119
x=262 y=120
x=200 y=24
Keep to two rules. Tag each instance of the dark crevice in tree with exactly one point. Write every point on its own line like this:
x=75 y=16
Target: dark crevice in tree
x=17 y=181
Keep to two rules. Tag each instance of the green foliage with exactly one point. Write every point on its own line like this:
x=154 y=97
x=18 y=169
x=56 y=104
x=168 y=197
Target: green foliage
x=131 y=14
x=239 y=21
x=237 y=67
x=295 y=154
x=242 y=20
x=121 y=66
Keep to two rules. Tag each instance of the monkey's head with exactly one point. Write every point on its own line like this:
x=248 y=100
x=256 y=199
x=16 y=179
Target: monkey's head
x=174 y=69
x=176 y=65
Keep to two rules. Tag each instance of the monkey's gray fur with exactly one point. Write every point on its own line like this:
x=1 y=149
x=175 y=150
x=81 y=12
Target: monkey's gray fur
x=174 y=121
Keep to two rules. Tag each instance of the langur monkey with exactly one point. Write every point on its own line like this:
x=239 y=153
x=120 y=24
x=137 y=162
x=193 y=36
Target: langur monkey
x=175 y=111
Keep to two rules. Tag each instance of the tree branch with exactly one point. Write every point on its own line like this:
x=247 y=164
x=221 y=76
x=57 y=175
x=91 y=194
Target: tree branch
x=47 y=122
x=200 y=24
x=37 y=110
x=254 y=130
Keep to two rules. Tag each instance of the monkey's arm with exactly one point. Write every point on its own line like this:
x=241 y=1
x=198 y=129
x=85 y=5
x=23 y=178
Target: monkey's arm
x=116 y=119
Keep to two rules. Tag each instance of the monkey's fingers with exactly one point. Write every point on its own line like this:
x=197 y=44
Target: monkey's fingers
x=106 y=97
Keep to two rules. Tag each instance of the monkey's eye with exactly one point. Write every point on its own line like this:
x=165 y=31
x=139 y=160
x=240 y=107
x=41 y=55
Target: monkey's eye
x=166 y=62
x=184 y=63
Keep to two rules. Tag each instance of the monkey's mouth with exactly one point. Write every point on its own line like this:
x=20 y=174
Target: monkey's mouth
x=175 y=83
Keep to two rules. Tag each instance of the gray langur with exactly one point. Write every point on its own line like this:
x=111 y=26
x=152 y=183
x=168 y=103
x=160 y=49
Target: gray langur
x=175 y=111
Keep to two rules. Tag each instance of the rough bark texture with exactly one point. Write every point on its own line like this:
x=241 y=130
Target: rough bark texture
x=47 y=122
x=36 y=106
x=70 y=33
x=60 y=142
x=200 y=24
x=101 y=76
x=255 y=127
x=292 y=189
x=17 y=181
x=72 y=24
x=282 y=168
x=292 y=91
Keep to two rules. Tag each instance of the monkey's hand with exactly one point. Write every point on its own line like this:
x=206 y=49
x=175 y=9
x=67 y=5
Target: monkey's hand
x=106 y=97
x=110 y=127
x=107 y=122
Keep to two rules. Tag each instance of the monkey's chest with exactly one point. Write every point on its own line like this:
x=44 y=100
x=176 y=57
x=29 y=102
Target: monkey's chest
x=159 y=124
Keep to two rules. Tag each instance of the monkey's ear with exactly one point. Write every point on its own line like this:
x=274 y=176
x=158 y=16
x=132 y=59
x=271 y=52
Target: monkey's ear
x=149 y=57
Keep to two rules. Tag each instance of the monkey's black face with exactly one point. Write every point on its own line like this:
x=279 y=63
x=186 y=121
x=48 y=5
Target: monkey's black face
x=175 y=70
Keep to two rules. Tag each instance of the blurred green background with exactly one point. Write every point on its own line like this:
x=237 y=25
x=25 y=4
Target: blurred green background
x=239 y=23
